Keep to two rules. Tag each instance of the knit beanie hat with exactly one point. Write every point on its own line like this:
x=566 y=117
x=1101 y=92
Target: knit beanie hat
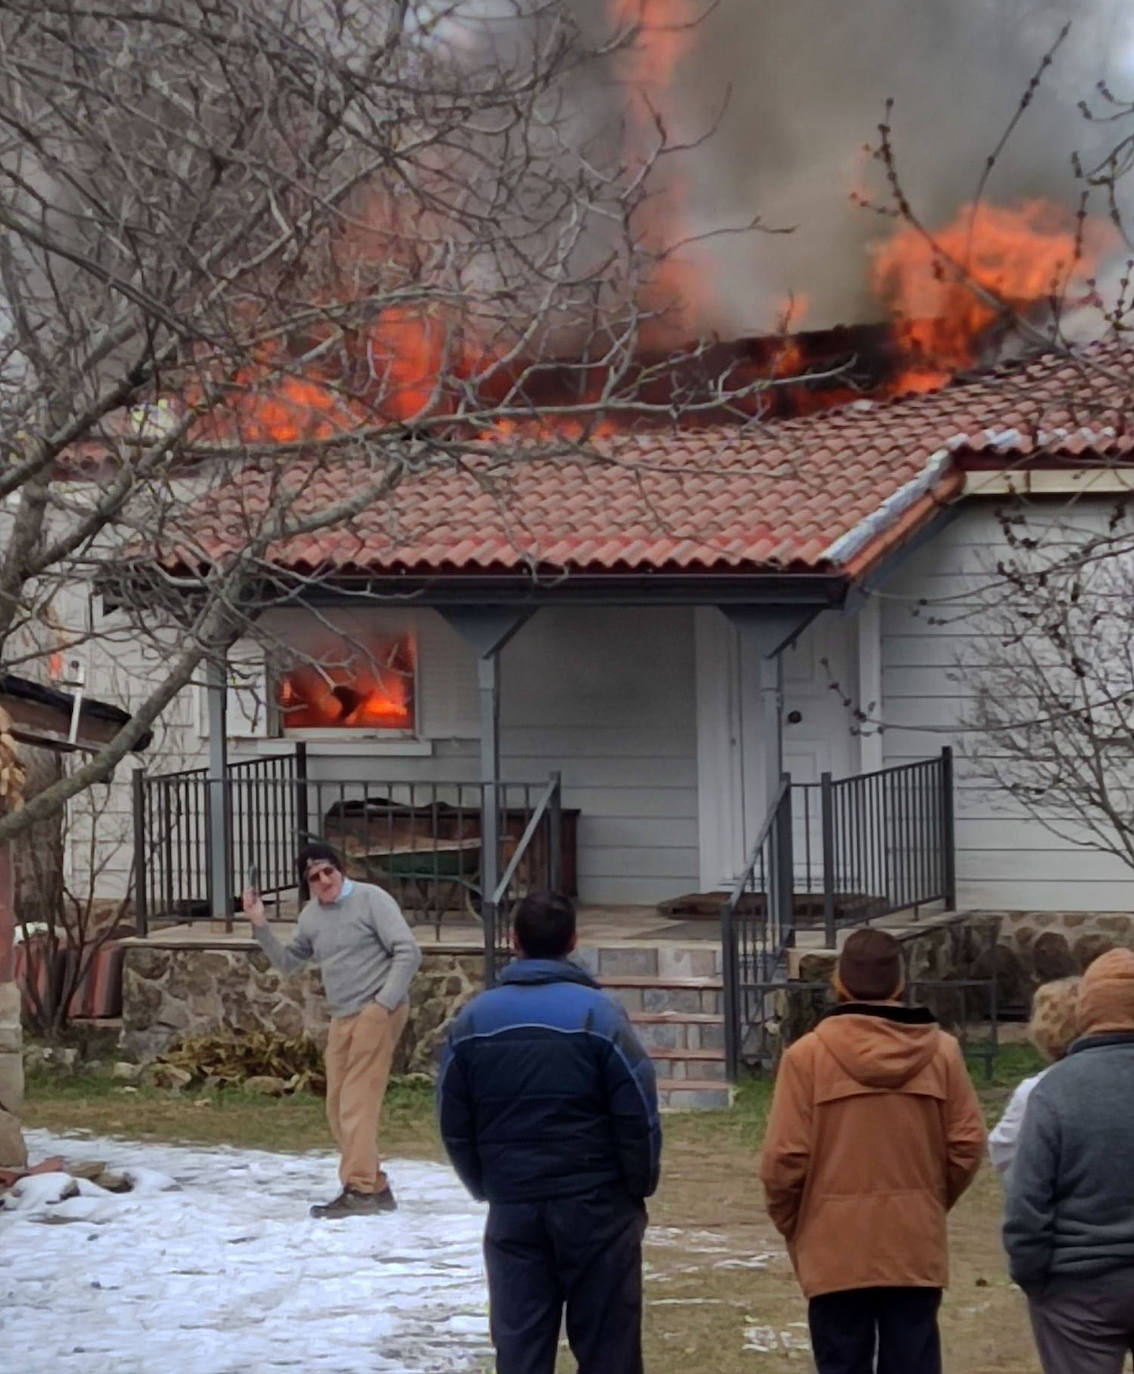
x=1106 y=994
x=870 y=966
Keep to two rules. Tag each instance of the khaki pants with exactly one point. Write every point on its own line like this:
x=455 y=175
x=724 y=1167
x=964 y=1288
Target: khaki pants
x=360 y=1050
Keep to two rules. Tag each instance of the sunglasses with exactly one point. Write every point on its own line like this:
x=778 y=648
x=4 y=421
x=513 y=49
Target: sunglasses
x=318 y=875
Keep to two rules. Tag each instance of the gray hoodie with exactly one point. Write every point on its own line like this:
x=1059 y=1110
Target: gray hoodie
x=1069 y=1211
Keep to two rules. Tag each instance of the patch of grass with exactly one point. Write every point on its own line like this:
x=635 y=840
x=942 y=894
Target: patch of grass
x=97 y=1103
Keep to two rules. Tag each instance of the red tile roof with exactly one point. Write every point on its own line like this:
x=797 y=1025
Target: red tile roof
x=829 y=492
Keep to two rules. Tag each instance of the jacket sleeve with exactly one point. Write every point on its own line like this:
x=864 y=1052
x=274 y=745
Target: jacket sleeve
x=1003 y=1136
x=786 y=1155
x=1029 y=1208
x=288 y=958
x=457 y=1120
x=632 y=1100
x=964 y=1128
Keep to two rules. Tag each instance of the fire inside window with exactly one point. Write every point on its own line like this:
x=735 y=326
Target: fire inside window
x=369 y=688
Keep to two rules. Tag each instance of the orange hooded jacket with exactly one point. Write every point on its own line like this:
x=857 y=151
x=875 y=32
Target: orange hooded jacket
x=875 y=1132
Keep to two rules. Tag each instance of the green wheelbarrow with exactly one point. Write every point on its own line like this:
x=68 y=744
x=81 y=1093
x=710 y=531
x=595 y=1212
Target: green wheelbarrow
x=426 y=875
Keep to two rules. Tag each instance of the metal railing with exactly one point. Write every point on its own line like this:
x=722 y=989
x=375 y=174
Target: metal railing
x=756 y=928
x=876 y=843
x=420 y=840
x=830 y=854
x=546 y=819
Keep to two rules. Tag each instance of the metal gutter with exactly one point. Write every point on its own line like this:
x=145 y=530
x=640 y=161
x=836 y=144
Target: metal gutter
x=843 y=549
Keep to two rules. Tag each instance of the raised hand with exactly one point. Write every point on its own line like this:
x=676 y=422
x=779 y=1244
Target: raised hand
x=253 y=905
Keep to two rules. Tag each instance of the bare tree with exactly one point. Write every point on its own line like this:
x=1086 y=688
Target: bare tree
x=299 y=236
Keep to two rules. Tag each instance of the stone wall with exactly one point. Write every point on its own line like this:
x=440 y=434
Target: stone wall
x=1036 y=946
x=938 y=951
x=13 y=1153
x=172 y=992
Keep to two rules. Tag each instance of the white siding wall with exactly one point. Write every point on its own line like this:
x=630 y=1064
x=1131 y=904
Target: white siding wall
x=930 y=628
x=606 y=697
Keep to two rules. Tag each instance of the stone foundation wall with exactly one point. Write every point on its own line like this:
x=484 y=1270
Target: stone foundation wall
x=1036 y=946
x=172 y=992
x=13 y=1154
x=941 y=950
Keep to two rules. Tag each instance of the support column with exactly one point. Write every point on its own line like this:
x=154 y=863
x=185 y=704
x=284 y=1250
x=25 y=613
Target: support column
x=219 y=807
x=488 y=691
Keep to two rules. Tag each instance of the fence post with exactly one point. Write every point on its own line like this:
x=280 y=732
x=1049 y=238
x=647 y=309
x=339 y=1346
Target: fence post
x=488 y=921
x=141 y=912
x=827 y=798
x=302 y=819
x=555 y=835
x=730 y=993
x=785 y=862
x=948 y=830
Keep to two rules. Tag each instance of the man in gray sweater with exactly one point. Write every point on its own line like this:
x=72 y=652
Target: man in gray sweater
x=1069 y=1218
x=367 y=956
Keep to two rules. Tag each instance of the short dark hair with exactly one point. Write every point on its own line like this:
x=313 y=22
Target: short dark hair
x=544 y=923
x=870 y=965
x=317 y=852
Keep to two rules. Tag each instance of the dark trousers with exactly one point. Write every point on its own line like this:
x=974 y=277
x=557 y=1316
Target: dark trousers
x=583 y=1253
x=898 y=1326
x=1085 y=1325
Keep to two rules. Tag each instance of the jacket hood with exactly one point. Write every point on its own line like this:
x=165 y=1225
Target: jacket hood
x=536 y=971
x=879 y=1045
x=1106 y=994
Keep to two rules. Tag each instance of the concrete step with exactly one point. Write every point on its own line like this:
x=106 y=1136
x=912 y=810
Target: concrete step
x=657 y=960
x=684 y=1065
x=693 y=1094
x=675 y=1030
x=640 y=993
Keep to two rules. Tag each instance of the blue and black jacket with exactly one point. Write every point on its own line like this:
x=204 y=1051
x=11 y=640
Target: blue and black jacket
x=546 y=1091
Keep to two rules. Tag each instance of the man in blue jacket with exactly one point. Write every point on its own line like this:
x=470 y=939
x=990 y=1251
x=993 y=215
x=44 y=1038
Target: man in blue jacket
x=548 y=1110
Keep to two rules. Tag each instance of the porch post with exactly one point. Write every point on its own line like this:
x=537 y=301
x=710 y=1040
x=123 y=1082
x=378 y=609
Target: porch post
x=870 y=684
x=486 y=629
x=488 y=687
x=219 y=810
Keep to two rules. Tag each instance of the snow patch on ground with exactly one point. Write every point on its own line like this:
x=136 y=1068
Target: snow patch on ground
x=212 y=1266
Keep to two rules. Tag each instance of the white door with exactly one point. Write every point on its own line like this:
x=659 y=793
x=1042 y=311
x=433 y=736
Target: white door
x=820 y=696
x=732 y=770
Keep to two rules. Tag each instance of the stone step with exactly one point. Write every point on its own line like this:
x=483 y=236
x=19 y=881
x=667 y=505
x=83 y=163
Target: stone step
x=638 y=993
x=658 y=960
x=683 y=1065
x=694 y=1094
x=676 y=1030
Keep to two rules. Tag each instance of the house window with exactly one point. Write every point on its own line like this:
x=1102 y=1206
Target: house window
x=365 y=683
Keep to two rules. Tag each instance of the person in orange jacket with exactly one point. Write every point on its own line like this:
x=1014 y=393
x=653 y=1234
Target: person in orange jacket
x=875 y=1132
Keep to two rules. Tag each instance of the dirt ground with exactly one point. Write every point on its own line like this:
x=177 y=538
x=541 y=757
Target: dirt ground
x=720 y=1295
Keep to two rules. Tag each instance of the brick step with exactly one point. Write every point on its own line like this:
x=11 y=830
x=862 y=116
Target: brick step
x=640 y=993
x=693 y=1094
x=675 y=1030
x=678 y=1065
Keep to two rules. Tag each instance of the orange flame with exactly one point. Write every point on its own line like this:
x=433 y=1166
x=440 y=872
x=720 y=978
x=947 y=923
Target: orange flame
x=946 y=290
x=375 y=695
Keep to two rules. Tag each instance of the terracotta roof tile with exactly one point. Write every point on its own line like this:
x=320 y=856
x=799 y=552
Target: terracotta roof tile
x=742 y=499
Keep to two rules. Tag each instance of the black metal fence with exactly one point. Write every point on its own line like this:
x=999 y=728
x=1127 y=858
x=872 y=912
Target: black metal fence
x=422 y=841
x=831 y=854
x=875 y=843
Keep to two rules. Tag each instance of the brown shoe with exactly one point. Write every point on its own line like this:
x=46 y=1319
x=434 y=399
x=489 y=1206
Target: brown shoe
x=351 y=1203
